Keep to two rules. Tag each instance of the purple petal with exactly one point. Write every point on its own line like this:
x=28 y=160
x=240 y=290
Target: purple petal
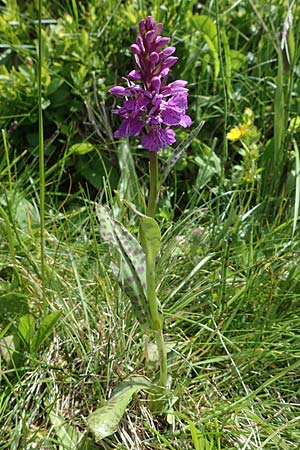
x=169 y=62
x=135 y=49
x=176 y=87
x=158 y=138
x=150 y=142
x=134 y=107
x=165 y=72
x=150 y=23
x=168 y=51
x=178 y=84
x=149 y=38
x=171 y=116
x=119 y=91
x=139 y=42
x=186 y=121
x=160 y=42
x=154 y=118
x=178 y=101
x=158 y=28
x=154 y=57
x=156 y=84
x=134 y=75
x=130 y=91
x=129 y=127
x=142 y=27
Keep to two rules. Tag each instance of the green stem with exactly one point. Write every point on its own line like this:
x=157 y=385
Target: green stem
x=153 y=170
x=157 y=323
x=162 y=352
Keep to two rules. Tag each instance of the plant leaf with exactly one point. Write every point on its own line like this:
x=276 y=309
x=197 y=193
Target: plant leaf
x=105 y=420
x=132 y=273
x=26 y=330
x=209 y=29
x=81 y=148
x=45 y=329
x=68 y=437
x=150 y=236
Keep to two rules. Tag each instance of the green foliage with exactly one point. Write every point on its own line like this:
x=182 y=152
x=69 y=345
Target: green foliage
x=33 y=338
x=228 y=267
x=150 y=237
x=86 y=51
x=68 y=437
x=208 y=30
x=12 y=306
x=132 y=271
x=105 y=421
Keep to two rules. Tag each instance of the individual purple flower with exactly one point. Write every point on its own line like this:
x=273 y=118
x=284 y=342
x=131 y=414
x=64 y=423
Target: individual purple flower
x=151 y=106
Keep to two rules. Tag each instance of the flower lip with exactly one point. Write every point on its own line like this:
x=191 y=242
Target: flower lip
x=158 y=138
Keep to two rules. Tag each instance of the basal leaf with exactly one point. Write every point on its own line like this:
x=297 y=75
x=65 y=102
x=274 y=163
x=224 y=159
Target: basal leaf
x=68 y=437
x=132 y=273
x=105 y=421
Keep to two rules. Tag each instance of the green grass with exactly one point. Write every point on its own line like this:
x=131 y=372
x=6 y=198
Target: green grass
x=228 y=272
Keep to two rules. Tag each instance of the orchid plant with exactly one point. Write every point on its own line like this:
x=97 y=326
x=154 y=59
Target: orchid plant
x=151 y=107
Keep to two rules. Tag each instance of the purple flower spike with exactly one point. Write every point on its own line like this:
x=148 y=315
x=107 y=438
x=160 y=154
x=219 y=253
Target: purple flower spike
x=152 y=106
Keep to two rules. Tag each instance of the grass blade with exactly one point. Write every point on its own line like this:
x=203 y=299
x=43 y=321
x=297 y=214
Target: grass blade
x=297 y=177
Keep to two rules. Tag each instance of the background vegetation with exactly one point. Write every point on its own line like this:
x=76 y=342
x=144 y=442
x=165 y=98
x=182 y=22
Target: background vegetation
x=229 y=277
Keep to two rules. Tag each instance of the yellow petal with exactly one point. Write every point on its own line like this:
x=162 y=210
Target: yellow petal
x=236 y=133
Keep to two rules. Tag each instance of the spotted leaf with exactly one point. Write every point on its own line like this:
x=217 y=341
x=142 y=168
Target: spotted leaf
x=132 y=273
x=104 y=421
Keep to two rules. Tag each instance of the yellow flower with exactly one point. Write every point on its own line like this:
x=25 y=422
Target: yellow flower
x=294 y=125
x=236 y=133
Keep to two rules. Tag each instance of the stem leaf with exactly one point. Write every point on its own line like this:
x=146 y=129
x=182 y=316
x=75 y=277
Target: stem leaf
x=150 y=236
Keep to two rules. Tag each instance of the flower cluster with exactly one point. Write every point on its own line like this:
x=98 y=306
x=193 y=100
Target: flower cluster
x=152 y=106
